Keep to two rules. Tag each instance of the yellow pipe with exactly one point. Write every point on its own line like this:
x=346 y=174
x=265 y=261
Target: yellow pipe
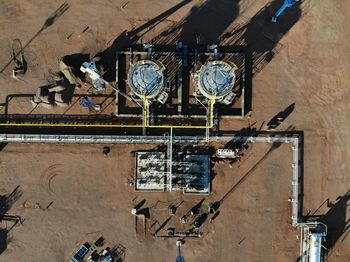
x=145 y=111
x=211 y=107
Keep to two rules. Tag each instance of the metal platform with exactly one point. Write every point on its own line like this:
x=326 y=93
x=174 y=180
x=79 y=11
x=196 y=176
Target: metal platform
x=146 y=78
x=216 y=78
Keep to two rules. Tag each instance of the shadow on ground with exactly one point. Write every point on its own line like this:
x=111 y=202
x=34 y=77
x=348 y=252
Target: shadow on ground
x=2 y=146
x=3 y=239
x=47 y=23
x=261 y=36
x=6 y=202
x=280 y=117
x=336 y=219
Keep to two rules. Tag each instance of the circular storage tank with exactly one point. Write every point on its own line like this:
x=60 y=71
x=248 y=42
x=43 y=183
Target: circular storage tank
x=146 y=78
x=216 y=78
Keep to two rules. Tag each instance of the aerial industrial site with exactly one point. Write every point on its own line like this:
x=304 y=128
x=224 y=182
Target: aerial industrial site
x=174 y=130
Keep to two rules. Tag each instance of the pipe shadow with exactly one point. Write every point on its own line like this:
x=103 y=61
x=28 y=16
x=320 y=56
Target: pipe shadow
x=214 y=207
x=280 y=117
x=145 y=212
x=261 y=36
x=273 y=147
x=48 y=22
x=195 y=209
x=242 y=144
x=107 y=57
x=338 y=225
x=3 y=240
x=7 y=201
x=336 y=220
x=2 y=146
x=210 y=23
x=216 y=214
x=140 y=204
x=199 y=221
x=204 y=25
x=162 y=226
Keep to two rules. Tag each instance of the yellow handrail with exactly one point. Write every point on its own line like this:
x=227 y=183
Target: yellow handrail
x=145 y=124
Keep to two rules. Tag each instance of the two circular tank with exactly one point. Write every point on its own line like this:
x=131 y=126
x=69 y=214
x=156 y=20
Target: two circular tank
x=216 y=79
x=146 y=78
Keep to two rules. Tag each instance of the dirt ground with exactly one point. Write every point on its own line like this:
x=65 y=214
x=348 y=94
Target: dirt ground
x=309 y=68
x=91 y=194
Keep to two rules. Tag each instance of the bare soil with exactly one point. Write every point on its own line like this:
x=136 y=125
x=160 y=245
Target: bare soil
x=309 y=67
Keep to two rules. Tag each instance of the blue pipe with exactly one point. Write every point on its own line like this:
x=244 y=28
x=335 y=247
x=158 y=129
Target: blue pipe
x=180 y=258
x=287 y=4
